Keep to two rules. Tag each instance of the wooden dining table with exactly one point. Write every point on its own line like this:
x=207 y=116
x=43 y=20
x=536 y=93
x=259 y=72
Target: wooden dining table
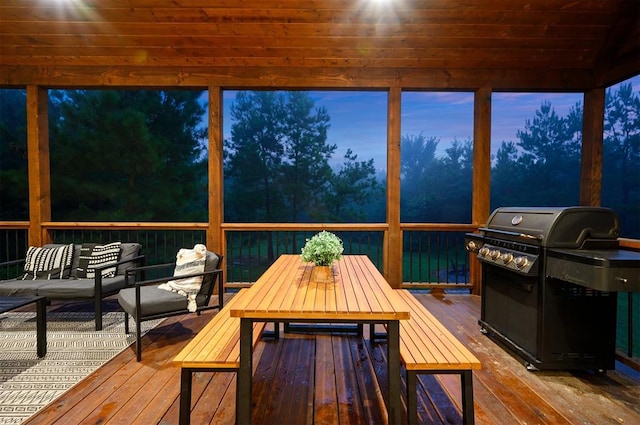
x=288 y=292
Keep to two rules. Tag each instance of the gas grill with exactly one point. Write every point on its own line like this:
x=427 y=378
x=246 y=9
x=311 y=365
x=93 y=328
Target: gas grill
x=550 y=278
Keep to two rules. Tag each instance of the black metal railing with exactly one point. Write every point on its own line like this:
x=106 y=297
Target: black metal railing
x=14 y=242
x=435 y=259
x=158 y=245
x=431 y=258
x=250 y=253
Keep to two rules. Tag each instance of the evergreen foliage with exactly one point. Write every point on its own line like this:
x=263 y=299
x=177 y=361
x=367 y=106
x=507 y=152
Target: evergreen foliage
x=139 y=155
x=127 y=156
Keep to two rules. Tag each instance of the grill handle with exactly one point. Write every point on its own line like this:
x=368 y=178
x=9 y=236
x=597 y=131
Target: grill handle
x=512 y=234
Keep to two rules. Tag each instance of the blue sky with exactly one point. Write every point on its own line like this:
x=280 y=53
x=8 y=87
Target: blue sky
x=359 y=119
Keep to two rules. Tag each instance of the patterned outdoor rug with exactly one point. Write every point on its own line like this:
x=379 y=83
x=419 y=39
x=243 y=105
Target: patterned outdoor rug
x=74 y=350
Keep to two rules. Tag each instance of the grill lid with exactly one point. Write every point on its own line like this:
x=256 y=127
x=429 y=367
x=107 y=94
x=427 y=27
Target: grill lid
x=554 y=227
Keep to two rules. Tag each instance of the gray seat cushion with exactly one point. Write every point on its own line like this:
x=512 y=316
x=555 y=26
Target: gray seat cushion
x=152 y=301
x=22 y=288
x=79 y=288
x=159 y=301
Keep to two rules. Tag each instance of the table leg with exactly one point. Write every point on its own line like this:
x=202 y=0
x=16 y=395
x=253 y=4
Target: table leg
x=467 y=398
x=41 y=326
x=244 y=395
x=393 y=369
x=186 y=378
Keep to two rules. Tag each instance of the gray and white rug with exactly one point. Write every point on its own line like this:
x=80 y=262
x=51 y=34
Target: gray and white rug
x=74 y=350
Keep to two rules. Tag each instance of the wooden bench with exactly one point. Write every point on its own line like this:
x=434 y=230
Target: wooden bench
x=427 y=347
x=216 y=348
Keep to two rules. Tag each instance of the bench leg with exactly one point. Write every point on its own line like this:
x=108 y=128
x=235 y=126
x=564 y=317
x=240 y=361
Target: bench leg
x=412 y=397
x=244 y=381
x=394 y=405
x=467 y=398
x=185 y=396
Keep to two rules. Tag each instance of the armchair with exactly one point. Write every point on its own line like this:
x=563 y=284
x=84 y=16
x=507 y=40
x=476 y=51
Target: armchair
x=145 y=301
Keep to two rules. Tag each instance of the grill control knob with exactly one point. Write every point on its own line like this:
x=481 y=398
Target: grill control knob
x=472 y=246
x=495 y=254
x=522 y=262
x=507 y=257
x=484 y=251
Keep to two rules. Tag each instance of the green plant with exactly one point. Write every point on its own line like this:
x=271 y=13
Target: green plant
x=322 y=249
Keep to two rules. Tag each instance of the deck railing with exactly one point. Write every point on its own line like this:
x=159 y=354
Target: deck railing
x=250 y=252
x=433 y=254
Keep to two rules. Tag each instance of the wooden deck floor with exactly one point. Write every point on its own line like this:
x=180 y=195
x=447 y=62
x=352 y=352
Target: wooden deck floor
x=332 y=379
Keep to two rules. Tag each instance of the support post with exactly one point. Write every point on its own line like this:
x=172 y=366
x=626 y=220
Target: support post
x=38 y=164
x=592 y=147
x=393 y=240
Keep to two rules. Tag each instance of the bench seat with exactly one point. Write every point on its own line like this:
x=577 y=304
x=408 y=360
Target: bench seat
x=216 y=348
x=427 y=347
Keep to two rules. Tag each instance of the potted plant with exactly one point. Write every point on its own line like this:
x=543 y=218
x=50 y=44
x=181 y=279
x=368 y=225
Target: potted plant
x=322 y=250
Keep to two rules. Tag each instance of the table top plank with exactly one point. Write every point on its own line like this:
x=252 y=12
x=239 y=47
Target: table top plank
x=349 y=291
x=287 y=291
x=386 y=300
x=262 y=291
x=369 y=286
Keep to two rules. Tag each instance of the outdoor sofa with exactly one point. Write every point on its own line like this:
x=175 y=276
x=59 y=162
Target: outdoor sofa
x=74 y=272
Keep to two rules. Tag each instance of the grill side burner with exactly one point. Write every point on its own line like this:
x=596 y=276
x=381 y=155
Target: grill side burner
x=550 y=278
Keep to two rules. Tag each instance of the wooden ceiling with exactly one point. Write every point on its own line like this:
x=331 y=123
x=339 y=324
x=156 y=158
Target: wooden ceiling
x=454 y=44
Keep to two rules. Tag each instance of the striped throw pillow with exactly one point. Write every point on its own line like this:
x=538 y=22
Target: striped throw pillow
x=92 y=256
x=48 y=263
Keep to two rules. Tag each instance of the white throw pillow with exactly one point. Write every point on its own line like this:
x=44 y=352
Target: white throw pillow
x=188 y=261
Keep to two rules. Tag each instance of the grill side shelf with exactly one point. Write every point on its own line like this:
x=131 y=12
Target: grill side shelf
x=602 y=270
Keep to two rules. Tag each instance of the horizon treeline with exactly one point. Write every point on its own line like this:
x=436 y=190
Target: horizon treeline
x=140 y=155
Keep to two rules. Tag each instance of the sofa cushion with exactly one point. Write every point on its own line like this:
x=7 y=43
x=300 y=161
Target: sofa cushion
x=128 y=250
x=23 y=288
x=94 y=256
x=152 y=301
x=79 y=288
x=76 y=260
x=51 y=262
x=213 y=263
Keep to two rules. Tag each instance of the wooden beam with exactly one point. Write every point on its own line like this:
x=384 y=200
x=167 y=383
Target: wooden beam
x=592 y=143
x=256 y=77
x=38 y=164
x=393 y=240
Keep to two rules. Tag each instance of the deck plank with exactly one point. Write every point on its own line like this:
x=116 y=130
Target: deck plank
x=340 y=378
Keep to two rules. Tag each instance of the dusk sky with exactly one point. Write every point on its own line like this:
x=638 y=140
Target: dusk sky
x=358 y=119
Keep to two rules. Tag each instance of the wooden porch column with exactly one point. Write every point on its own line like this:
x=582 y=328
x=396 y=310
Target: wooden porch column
x=393 y=241
x=481 y=197
x=592 y=140
x=38 y=164
x=215 y=238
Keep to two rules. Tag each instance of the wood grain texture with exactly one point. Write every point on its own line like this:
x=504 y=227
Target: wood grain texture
x=586 y=38
x=350 y=383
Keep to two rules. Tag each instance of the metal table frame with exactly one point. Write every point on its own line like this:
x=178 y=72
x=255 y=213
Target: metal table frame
x=12 y=303
x=391 y=318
